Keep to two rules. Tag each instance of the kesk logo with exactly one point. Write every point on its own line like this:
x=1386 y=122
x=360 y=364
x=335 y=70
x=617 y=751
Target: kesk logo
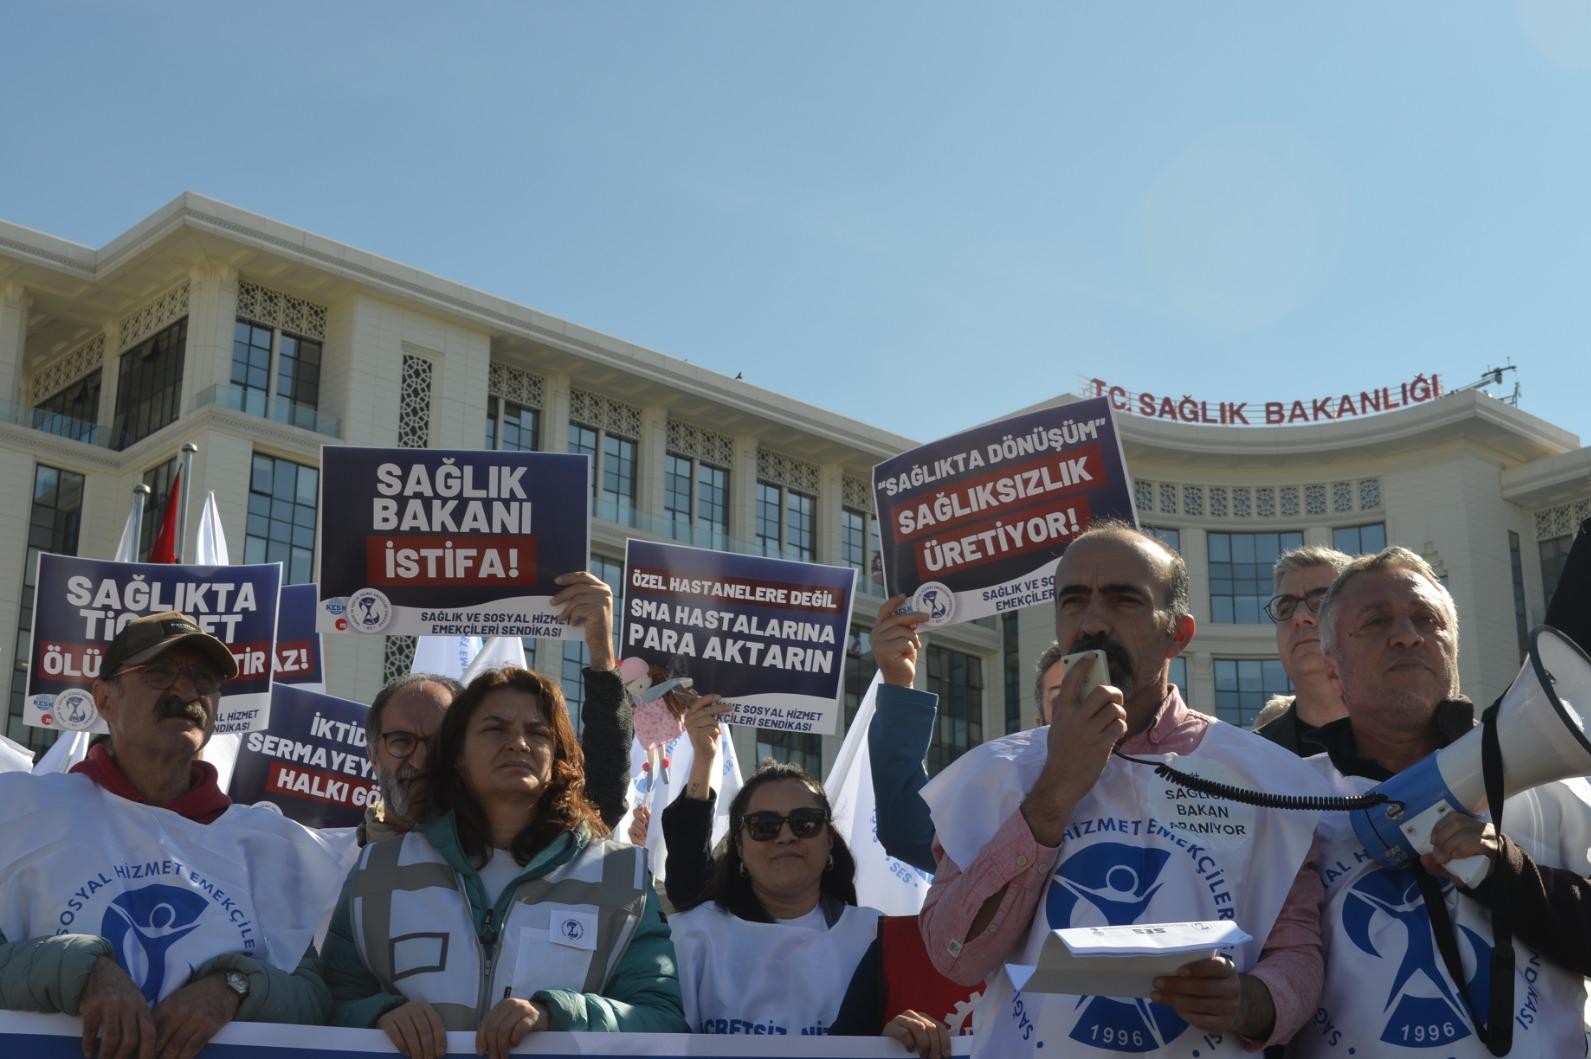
x=1115 y=883
x=1425 y=1011
x=142 y=925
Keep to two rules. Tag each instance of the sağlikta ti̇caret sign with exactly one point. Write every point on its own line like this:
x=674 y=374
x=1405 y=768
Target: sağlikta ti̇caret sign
x=449 y=543
x=79 y=605
x=970 y=525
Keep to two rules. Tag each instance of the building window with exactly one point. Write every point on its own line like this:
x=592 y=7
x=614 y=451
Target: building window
x=853 y=539
x=512 y=427
x=1171 y=538
x=1554 y=554
x=696 y=501
x=1516 y=563
x=1240 y=573
x=149 y=385
x=281 y=523
x=295 y=397
x=576 y=656
x=860 y=665
x=1179 y=676
x=957 y=679
x=1360 y=540
x=72 y=411
x=785 y=522
x=613 y=477
x=796 y=748
x=1244 y=685
x=1017 y=686
x=53 y=523
x=158 y=479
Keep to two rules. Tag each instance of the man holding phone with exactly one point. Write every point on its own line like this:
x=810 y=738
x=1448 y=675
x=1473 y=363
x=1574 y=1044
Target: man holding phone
x=1048 y=829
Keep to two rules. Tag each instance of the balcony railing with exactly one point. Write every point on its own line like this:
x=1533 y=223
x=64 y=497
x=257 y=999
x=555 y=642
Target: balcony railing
x=62 y=426
x=277 y=408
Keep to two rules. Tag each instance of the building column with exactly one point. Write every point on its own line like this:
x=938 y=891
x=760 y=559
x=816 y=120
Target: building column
x=212 y=314
x=831 y=499
x=653 y=445
x=14 y=305
x=743 y=492
x=109 y=378
x=555 y=413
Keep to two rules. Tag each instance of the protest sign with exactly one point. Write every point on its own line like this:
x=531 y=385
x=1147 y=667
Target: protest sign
x=24 y=1035
x=971 y=525
x=80 y=604
x=311 y=762
x=449 y=543
x=768 y=635
x=298 y=648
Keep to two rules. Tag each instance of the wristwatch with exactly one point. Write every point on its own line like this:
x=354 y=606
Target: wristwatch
x=238 y=982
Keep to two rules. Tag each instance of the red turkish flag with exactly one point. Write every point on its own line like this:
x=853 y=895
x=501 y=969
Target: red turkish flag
x=164 y=550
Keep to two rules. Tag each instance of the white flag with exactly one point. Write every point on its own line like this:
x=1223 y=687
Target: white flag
x=497 y=652
x=679 y=753
x=211 y=550
x=444 y=656
x=68 y=749
x=14 y=757
x=882 y=882
x=211 y=547
x=127 y=549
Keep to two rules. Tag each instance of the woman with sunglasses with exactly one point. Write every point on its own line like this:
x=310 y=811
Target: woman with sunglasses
x=778 y=936
x=510 y=910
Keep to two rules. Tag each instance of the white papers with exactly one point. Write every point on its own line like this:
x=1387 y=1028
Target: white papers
x=1121 y=961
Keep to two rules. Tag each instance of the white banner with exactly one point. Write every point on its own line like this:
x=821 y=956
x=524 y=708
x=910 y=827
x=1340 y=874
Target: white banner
x=28 y=1036
x=882 y=882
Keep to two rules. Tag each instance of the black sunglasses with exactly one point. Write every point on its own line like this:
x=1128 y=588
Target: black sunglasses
x=804 y=823
x=1281 y=608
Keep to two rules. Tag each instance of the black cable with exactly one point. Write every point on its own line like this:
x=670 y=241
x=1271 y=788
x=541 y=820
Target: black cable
x=1326 y=804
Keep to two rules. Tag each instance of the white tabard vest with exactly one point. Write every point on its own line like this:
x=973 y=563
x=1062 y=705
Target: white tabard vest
x=1388 y=992
x=566 y=930
x=1138 y=849
x=766 y=978
x=166 y=892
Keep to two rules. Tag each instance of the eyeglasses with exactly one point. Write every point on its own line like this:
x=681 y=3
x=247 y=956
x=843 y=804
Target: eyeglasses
x=162 y=675
x=804 y=823
x=1281 y=608
x=402 y=744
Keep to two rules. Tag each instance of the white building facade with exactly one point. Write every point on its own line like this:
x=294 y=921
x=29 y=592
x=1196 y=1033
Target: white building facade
x=259 y=343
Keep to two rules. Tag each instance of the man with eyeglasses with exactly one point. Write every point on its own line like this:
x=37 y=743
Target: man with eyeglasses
x=142 y=898
x=402 y=722
x=1302 y=577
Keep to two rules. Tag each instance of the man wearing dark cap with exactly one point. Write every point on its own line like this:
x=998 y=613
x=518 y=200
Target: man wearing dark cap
x=141 y=898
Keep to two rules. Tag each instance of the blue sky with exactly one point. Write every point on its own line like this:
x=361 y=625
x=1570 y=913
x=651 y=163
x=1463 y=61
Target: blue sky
x=923 y=215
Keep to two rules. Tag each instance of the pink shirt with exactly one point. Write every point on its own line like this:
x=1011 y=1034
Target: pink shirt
x=1292 y=965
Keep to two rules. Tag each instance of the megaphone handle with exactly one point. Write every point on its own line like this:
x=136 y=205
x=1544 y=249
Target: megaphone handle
x=1471 y=871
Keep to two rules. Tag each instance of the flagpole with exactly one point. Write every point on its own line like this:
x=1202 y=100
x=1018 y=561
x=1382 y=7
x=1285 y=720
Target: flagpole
x=140 y=501
x=182 y=503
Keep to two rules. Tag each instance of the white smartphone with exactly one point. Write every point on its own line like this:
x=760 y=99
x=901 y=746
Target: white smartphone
x=1098 y=672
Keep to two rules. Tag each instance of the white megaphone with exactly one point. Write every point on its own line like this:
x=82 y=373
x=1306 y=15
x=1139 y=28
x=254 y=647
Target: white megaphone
x=1542 y=733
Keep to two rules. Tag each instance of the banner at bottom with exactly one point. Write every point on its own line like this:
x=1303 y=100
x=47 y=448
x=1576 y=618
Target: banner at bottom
x=24 y=1035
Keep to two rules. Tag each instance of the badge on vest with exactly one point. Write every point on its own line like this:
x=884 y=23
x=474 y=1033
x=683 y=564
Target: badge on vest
x=566 y=926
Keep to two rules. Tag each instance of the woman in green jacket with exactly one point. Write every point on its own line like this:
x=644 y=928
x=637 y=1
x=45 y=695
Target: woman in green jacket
x=510 y=910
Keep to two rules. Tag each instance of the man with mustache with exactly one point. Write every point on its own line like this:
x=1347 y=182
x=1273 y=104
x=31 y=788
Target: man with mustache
x=1302 y=577
x=1389 y=634
x=1047 y=829
x=142 y=898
